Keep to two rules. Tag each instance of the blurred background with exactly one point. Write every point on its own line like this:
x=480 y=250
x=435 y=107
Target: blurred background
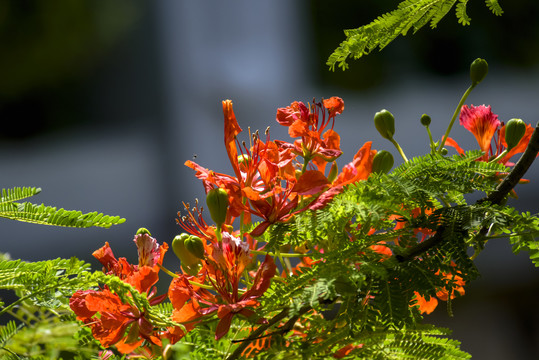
x=101 y=103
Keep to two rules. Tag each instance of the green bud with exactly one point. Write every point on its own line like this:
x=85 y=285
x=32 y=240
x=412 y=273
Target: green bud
x=243 y=161
x=190 y=263
x=382 y=162
x=444 y=151
x=478 y=70
x=385 y=124
x=514 y=131
x=217 y=201
x=333 y=171
x=425 y=120
x=195 y=246
x=143 y=231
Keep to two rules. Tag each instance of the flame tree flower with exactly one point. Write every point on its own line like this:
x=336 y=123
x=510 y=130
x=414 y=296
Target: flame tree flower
x=482 y=123
x=309 y=123
x=490 y=134
x=106 y=314
x=223 y=269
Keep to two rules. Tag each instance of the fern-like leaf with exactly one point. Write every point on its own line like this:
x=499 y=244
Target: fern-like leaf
x=494 y=6
x=7 y=332
x=18 y=193
x=49 y=215
x=409 y=15
x=462 y=16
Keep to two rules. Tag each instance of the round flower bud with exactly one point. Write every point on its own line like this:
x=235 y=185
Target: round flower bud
x=187 y=259
x=514 y=131
x=425 y=120
x=143 y=231
x=333 y=172
x=243 y=161
x=444 y=151
x=382 y=162
x=385 y=124
x=194 y=245
x=478 y=70
x=217 y=201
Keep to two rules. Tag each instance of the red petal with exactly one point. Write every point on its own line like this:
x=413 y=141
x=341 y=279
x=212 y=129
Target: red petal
x=335 y=105
x=450 y=142
x=223 y=326
x=325 y=198
x=310 y=182
x=232 y=129
x=262 y=280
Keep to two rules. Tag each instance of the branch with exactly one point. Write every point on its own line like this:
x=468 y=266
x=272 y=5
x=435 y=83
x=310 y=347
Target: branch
x=257 y=334
x=521 y=167
x=496 y=197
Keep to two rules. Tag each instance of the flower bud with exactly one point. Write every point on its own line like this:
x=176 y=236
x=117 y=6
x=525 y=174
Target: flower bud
x=444 y=151
x=514 y=131
x=333 y=172
x=190 y=263
x=382 y=162
x=478 y=70
x=217 y=201
x=243 y=161
x=195 y=246
x=143 y=231
x=425 y=120
x=385 y=124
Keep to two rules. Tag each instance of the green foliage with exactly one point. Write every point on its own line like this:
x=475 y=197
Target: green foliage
x=48 y=215
x=47 y=325
x=410 y=15
x=373 y=294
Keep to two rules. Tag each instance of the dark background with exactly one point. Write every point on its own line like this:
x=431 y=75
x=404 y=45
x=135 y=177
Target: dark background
x=102 y=102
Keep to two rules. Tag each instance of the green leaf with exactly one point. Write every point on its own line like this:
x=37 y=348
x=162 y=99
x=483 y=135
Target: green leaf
x=48 y=215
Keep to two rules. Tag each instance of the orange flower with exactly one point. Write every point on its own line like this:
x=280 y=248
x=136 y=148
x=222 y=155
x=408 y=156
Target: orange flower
x=106 y=314
x=110 y=319
x=142 y=276
x=425 y=306
x=455 y=282
x=309 y=123
x=359 y=169
x=223 y=268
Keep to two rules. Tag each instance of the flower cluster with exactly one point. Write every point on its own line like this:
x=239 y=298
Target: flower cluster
x=226 y=268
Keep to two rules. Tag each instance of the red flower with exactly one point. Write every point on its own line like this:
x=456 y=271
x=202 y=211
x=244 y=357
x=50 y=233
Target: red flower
x=309 y=123
x=110 y=319
x=481 y=122
x=359 y=169
x=106 y=314
x=485 y=126
x=223 y=268
x=142 y=276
